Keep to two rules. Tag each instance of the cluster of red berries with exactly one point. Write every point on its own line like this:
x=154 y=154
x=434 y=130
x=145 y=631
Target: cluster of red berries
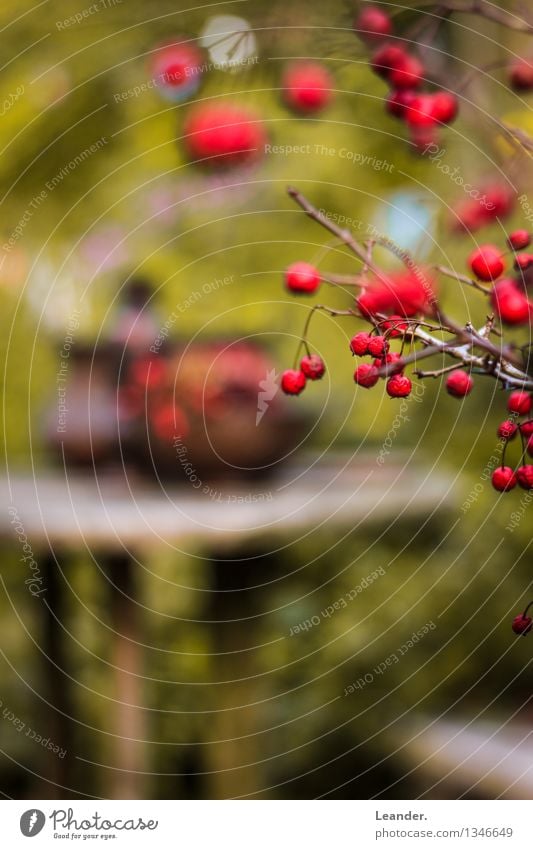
x=312 y=367
x=505 y=478
x=177 y=392
x=367 y=374
x=422 y=111
x=508 y=297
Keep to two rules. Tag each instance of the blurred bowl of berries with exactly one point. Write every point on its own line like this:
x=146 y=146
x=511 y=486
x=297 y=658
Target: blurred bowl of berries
x=207 y=410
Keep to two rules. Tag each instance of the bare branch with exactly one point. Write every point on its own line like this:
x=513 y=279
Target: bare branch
x=462 y=278
x=488 y=11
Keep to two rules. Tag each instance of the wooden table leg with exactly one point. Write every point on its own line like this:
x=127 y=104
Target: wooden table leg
x=56 y=684
x=128 y=758
x=236 y=719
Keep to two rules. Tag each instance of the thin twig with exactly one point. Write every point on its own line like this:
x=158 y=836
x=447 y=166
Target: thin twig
x=438 y=372
x=462 y=278
x=489 y=11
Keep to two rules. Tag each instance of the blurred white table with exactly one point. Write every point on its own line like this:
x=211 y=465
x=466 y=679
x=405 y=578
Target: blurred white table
x=115 y=511
x=118 y=518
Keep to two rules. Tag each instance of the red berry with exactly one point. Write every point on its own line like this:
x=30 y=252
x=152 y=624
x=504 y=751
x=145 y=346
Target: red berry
x=399 y=101
x=223 y=134
x=399 y=386
x=486 y=262
x=372 y=24
x=473 y=213
x=177 y=69
x=313 y=366
x=293 y=382
x=527 y=428
x=525 y=476
x=378 y=346
x=507 y=430
x=522 y=261
x=391 y=359
x=386 y=58
x=366 y=375
x=421 y=112
x=307 y=86
x=395 y=326
x=519 y=403
x=522 y=625
x=302 y=278
x=509 y=303
x=445 y=107
x=503 y=479
x=459 y=384
x=518 y=240
x=359 y=344
x=521 y=75
x=407 y=73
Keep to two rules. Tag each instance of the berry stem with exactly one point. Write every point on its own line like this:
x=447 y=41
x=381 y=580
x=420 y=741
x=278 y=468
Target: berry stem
x=312 y=311
x=341 y=279
x=345 y=236
x=524 y=614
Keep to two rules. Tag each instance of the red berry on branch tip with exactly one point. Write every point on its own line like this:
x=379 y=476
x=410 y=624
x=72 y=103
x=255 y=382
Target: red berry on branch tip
x=519 y=403
x=359 y=344
x=407 y=73
x=372 y=24
x=378 y=346
x=522 y=625
x=398 y=102
x=459 y=384
x=307 y=86
x=293 y=382
x=521 y=75
x=302 y=278
x=527 y=428
x=366 y=375
x=524 y=476
x=504 y=479
x=509 y=303
x=507 y=430
x=313 y=366
x=399 y=386
x=486 y=262
x=223 y=134
x=522 y=261
x=445 y=106
x=518 y=240
x=386 y=58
